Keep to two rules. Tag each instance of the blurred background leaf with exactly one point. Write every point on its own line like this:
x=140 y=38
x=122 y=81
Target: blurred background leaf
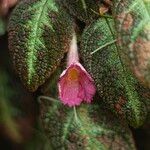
x=6 y=111
x=132 y=21
x=2 y=26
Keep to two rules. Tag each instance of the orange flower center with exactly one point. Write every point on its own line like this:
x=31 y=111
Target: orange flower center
x=73 y=74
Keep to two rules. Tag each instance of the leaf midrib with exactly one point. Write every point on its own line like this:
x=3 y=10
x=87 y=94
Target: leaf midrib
x=31 y=65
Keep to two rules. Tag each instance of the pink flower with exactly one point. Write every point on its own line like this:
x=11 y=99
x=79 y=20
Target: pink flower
x=75 y=83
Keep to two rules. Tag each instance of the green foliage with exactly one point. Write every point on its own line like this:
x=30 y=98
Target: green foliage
x=84 y=128
x=117 y=86
x=6 y=118
x=2 y=27
x=132 y=19
x=82 y=9
x=39 y=34
x=39 y=141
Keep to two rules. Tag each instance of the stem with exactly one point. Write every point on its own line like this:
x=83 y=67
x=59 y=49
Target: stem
x=48 y=98
x=95 y=12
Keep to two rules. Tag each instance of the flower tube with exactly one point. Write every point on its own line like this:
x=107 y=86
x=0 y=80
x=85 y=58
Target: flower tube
x=75 y=83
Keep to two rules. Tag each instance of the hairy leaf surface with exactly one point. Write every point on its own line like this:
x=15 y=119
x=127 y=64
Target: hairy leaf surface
x=88 y=127
x=118 y=88
x=132 y=19
x=39 y=34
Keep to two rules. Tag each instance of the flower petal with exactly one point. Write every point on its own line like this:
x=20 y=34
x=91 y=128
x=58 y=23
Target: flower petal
x=89 y=89
x=76 y=85
x=69 y=93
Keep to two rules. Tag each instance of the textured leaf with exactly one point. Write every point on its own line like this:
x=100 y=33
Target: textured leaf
x=39 y=34
x=89 y=127
x=133 y=29
x=82 y=9
x=117 y=86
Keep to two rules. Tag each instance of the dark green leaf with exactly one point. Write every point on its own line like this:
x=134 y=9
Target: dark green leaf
x=119 y=90
x=86 y=128
x=39 y=34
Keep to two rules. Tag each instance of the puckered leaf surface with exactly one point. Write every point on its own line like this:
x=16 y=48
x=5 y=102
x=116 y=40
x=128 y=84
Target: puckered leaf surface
x=119 y=90
x=89 y=127
x=39 y=34
x=132 y=19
